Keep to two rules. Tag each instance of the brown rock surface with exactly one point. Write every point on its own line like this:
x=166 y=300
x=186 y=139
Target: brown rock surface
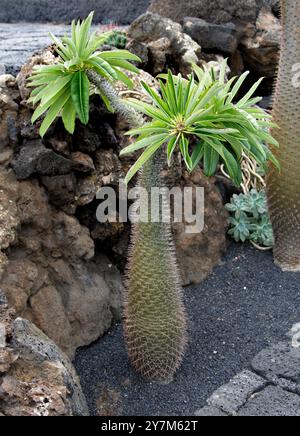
x=165 y=40
x=261 y=51
x=8 y=111
x=199 y=253
x=52 y=276
x=36 y=378
x=221 y=11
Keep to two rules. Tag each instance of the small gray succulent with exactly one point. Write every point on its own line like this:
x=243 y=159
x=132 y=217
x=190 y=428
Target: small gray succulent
x=250 y=219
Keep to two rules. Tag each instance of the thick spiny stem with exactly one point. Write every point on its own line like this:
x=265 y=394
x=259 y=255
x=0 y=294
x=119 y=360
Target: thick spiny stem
x=155 y=320
x=126 y=112
x=284 y=187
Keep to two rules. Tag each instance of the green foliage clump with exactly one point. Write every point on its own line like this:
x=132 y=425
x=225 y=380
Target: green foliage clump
x=250 y=218
x=64 y=88
x=117 y=39
x=198 y=117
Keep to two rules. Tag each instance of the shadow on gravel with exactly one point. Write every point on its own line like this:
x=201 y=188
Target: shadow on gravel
x=244 y=306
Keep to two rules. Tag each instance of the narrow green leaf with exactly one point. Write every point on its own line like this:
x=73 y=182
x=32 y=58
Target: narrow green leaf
x=211 y=160
x=62 y=50
x=274 y=161
x=249 y=94
x=42 y=80
x=80 y=91
x=153 y=139
x=149 y=110
x=120 y=54
x=268 y=138
x=198 y=115
x=42 y=109
x=236 y=144
x=95 y=42
x=216 y=131
x=47 y=69
x=158 y=101
x=69 y=116
x=184 y=147
x=237 y=86
x=124 y=64
x=54 y=88
x=170 y=88
x=171 y=147
x=197 y=155
x=53 y=113
x=84 y=33
x=70 y=43
x=74 y=32
x=233 y=168
x=124 y=78
x=107 y=102
x=155 y=127
x=109 y=71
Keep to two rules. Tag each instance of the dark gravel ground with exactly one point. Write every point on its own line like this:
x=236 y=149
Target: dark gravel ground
x=245 y=305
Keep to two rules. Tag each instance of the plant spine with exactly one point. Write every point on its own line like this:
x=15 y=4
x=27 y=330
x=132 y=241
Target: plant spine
x=284 y=187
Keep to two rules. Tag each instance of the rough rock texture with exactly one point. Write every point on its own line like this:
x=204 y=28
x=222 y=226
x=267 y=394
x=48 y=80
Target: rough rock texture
x=281 y=361
x=51 y=261
x=63 y=10
x=8 y=114
x=221 y=26
x=166 y=41
x=210 y=36
x=261 y=49
x=230 y=397
x=220 y=11
x=273 y=401
x=36 y=378
x=251 y=43
x=52 y=265
x=35 y=158
x=198 y=253
x=270 y=389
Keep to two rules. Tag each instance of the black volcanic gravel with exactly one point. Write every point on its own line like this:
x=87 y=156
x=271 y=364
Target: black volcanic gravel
x=244 y=306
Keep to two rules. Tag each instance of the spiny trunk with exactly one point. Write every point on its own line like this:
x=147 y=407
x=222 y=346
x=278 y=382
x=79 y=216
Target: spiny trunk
x=155 y=320
x=284 y=187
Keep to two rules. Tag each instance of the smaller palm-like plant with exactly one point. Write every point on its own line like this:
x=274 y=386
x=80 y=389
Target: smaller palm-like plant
x=198 y=116
x=64 y=88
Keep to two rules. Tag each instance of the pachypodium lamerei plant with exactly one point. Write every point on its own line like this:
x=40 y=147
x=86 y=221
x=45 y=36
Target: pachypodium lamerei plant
x=64 y=89
x=284 y=188
x=155 y=321
x=198 y=117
